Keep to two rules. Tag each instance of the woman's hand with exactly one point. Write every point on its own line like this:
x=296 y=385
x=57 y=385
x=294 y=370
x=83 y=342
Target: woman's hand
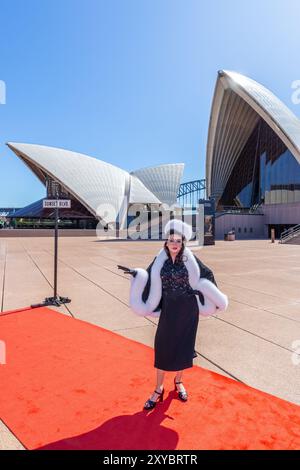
x=133 y=272
x=214 y=299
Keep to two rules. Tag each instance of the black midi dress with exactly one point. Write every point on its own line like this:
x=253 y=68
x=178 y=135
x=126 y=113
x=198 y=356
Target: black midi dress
x=175 y=336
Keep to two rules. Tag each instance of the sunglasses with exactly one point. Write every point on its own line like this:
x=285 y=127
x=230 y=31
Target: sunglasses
x=175 y=241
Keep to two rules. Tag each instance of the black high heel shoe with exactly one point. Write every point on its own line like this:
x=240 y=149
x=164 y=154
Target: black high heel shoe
x=151 y=404
x=182 y=395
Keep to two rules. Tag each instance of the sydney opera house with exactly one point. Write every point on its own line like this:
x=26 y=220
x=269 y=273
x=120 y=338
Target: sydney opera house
x=253 y=159
x=97 y=190
x=252 y=169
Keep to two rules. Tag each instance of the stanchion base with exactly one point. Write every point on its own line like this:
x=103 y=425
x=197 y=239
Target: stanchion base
x=57 y=301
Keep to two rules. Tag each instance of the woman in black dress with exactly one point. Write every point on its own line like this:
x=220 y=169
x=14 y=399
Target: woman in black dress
x=176 y=293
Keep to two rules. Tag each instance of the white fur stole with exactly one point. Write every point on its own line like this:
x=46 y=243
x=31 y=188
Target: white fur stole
x=214 y=299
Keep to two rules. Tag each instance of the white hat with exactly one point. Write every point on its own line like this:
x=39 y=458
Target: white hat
x=180 y=227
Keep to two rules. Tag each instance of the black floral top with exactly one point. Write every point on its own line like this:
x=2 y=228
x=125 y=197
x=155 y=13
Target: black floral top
x=175 y=277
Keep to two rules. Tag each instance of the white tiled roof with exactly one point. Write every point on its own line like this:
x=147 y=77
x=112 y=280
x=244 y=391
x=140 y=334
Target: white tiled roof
x=238 y=103
x=162 y=180
x=94 y=182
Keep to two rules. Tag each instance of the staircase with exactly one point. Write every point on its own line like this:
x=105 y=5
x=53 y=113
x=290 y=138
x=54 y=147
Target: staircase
x=291 y=235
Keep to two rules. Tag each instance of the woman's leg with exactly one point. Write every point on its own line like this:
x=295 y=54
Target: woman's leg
x=160 y=375
x=178 y=375
x=178 y=378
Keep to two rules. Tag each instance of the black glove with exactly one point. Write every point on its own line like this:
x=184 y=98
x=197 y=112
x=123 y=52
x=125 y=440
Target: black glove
x=133 y=272
x=201 y=297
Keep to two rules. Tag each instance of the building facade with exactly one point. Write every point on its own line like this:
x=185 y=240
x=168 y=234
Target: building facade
x=253 y=159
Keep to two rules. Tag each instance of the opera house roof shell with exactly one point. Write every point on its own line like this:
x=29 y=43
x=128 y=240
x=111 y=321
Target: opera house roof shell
x=93 y=182
x=238 y=104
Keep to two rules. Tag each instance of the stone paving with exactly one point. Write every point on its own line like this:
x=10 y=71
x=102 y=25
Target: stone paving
x=251 y=342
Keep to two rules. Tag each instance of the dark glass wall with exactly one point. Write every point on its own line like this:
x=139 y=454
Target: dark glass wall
x=265 y=171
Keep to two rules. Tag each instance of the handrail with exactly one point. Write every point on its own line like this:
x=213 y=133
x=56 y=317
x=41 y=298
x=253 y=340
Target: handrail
x=288 y=230
x=240 y=210
x=289 y=233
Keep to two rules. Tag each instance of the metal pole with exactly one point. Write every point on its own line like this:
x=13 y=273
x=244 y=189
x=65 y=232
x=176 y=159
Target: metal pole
x=272 y=235
x=55 y=247
x=56 y=300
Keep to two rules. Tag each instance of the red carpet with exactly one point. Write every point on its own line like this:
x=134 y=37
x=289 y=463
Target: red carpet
x=70 y=385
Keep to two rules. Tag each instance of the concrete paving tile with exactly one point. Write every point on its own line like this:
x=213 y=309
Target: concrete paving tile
x=7 y=439
x=278 y=329
x=254 y=361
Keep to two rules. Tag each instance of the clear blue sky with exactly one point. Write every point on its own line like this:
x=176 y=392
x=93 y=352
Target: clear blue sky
x=131 y=81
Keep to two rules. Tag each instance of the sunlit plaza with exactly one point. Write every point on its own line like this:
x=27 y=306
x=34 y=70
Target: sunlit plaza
x=149 y=229
x=254 y=341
